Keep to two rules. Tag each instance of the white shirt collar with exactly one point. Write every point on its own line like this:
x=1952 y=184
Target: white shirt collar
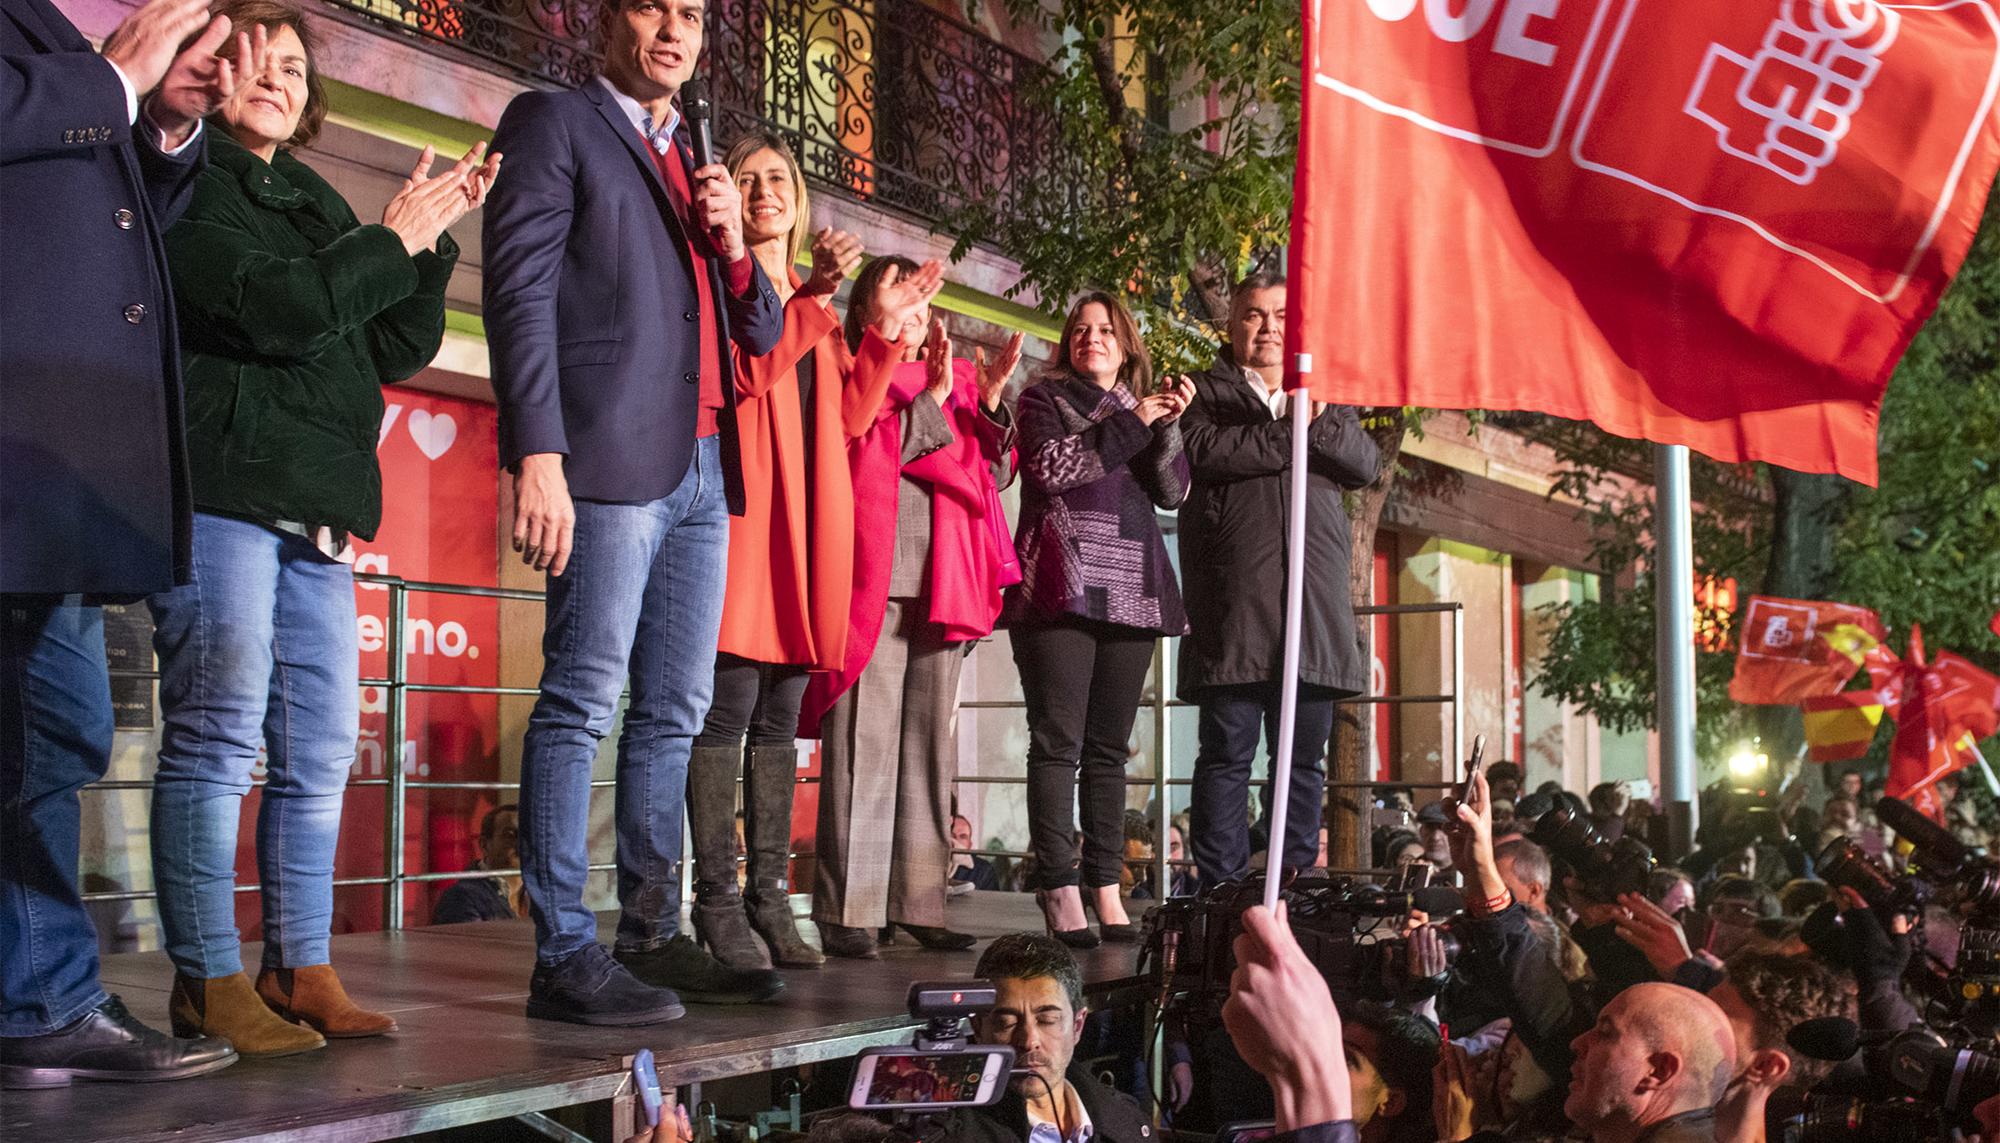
x=1042 y=1131
x=1279 y=402
x=661 y=138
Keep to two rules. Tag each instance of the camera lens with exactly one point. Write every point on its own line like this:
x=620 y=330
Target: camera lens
x=1846 y=864
x=1568 y=834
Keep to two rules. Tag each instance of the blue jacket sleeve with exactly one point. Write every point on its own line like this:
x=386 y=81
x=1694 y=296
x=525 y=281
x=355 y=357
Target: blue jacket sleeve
x=756 y=318
x=526 y=231
x=46 y=99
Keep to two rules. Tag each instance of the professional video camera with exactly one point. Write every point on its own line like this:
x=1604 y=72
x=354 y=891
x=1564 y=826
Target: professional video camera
x=941 y=1069
x=1351 y=930
x=1941 y=869
x=1603 y=868
x=1917 y=1086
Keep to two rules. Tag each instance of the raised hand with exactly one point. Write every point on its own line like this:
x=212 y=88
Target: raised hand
x=993 y=376
x=1453 y=1110
x=901 y=297
x=1284 y=1024
x=937 y=362
x=835 y=254
x=198 y=81
x=148 y=41
x=1654 y=932
x=718 y=210
x=429 y=203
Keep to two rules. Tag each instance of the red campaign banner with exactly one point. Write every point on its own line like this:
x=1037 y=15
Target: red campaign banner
x=1709 y=222
x=440 y=488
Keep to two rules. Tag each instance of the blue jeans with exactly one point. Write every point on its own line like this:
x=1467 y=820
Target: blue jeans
x=640 y=599
x=1233 y=720
x=259 y=649
x=55 y=737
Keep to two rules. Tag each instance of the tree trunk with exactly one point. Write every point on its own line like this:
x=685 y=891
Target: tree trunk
x=1348 y=807
x=1801 y=567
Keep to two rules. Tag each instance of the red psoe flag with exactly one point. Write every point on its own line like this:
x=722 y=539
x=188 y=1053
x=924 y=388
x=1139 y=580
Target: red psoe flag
x=1708 y=222
x=1796 y=649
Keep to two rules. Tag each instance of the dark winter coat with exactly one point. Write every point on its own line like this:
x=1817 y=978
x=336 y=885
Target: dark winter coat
x=1232 y=535
x=93 y=471
x=1092 y=473
x=293 y=317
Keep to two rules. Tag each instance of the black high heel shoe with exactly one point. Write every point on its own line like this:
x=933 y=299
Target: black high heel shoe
x=1075 y=938
x=1126 y=933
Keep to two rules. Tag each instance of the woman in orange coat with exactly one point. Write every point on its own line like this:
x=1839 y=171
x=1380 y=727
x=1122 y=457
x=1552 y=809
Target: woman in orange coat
x=791 y=555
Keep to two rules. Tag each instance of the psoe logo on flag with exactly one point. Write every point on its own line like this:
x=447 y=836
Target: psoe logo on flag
x=1778 y=630
x=1787 y=107
x=1823 y=127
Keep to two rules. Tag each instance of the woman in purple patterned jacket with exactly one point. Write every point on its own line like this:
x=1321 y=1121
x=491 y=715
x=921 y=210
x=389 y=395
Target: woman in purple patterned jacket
x=1097 y=590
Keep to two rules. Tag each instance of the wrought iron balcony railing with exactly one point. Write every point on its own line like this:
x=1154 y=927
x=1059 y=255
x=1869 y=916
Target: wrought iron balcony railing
x=889 y=101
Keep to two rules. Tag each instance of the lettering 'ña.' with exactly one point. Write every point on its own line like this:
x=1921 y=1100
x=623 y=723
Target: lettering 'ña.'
x=1456 y=21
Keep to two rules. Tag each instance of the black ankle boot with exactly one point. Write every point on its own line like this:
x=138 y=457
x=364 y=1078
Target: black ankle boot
x=841 y=940
x=771 y=776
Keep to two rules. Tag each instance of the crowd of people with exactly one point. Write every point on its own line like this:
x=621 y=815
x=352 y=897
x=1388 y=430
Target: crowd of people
x=762 y=516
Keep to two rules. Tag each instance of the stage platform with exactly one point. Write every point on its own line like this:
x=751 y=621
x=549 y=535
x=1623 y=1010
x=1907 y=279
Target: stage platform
x=467 y=1054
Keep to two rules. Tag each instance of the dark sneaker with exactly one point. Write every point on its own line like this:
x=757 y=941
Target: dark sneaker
x=589 y=987
x=681 y=965
x=108 y=1044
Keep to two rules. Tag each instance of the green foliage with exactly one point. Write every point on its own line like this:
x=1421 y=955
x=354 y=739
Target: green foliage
x=1143 y=204
x=1923 y=547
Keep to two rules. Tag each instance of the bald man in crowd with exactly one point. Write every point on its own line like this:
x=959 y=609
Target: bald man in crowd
x=1652 y=1068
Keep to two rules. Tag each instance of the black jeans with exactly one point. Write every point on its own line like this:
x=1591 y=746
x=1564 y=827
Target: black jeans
x=1082 y=681
x=1233 y=720
x=761 y=699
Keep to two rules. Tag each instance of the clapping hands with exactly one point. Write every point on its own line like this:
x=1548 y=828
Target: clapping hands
x=1166 y=406
x=429 y=203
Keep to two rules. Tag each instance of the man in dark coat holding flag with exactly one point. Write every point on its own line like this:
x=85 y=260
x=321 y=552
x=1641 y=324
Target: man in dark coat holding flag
x=1232 y=547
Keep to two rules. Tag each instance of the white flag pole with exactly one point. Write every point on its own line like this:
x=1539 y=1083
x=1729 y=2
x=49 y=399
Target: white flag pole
x=1288 y=680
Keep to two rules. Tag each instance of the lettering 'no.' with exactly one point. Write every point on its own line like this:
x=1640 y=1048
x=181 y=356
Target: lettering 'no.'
x=1510 y=36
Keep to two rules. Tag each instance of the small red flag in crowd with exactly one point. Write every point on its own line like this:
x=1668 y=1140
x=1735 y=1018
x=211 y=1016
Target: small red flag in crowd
x=1947 y=705
x=1796 y=649
x=1715 y=223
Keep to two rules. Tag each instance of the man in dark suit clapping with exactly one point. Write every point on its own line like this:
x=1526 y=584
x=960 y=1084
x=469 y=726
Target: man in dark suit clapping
x=616 y=278
x=98 y=153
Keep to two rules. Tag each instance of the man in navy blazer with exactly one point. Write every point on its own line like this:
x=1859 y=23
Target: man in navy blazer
x=616 y=278
x=98 y=153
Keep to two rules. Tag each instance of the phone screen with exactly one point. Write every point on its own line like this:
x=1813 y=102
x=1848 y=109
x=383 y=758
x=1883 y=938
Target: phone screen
x=924 y=1079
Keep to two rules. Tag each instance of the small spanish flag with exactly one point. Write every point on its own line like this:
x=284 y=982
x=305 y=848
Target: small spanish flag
x=1840 y=727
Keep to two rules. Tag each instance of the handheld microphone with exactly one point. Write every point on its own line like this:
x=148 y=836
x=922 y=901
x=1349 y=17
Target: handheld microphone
x=699 y=114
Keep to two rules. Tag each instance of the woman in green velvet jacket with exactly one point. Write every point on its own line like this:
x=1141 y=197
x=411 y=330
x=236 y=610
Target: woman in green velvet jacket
x=293 y=315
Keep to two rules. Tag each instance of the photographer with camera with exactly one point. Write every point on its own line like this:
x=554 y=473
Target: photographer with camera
x=1040 y=1014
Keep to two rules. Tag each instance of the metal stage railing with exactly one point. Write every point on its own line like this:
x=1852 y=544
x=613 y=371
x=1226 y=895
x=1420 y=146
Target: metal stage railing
x=397 y=784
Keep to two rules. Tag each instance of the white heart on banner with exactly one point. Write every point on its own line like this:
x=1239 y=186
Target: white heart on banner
x=433 y=433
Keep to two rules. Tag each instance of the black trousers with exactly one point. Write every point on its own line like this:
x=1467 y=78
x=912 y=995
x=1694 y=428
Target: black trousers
x=1082 y=682
x=758 y=699
x=1233 y=720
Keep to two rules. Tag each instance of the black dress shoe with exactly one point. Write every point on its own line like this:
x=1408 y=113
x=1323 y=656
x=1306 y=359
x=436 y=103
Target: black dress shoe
x=681 y=965
x=939 y=938
x=108 y=1044
x=588 y=987
x=840 y=940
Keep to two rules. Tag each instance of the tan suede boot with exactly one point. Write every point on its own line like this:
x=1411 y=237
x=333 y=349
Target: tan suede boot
x=312 y=995
x=229 y=1008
